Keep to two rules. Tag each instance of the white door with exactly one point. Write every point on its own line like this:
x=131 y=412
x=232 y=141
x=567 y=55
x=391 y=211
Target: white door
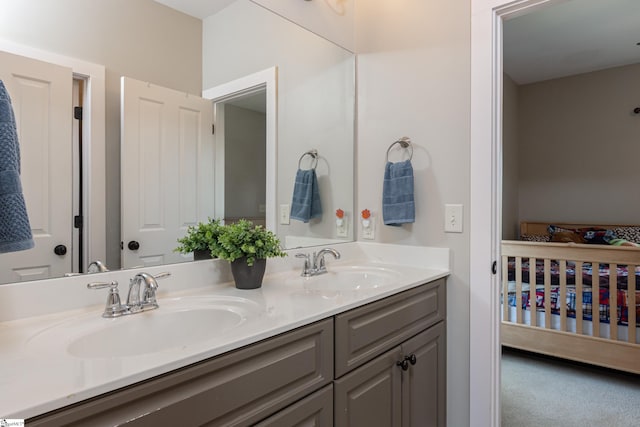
x=41 y=97
x=166 y=170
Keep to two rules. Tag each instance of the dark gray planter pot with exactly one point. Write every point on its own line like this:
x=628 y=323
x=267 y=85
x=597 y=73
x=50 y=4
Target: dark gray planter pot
x=248 y=277
x=201 y=254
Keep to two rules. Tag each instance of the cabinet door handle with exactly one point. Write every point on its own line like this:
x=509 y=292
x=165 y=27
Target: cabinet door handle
x=404 y=364
x=411 y=358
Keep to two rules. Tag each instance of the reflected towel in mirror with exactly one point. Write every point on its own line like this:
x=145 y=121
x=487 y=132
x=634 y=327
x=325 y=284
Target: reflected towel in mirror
x=306 y=196
x=15 y=231
x=398 y=205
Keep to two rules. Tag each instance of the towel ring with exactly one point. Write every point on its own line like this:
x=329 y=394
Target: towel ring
x=405 y=142
x=313 y=153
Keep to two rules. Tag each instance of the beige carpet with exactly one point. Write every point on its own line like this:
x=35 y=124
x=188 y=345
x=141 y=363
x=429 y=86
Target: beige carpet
x=538 y=391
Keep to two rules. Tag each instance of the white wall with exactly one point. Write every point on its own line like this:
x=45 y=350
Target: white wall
x=316 y=99
x=331 y=19
x=414 y=80
x=140 y=39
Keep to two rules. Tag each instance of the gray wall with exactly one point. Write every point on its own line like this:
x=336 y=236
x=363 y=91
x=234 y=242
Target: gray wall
x=140 y=39
x=244 y=162
x=578 y=148
x=510 y=183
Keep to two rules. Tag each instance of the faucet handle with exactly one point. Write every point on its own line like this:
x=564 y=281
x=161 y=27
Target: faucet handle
x=306 y=269
x=113 y=307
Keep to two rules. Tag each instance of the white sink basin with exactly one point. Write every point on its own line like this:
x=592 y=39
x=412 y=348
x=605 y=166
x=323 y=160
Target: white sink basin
x=177 y=324
x=350 y=278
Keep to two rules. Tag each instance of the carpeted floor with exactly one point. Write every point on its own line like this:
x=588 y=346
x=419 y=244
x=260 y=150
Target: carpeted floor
x=538 y=391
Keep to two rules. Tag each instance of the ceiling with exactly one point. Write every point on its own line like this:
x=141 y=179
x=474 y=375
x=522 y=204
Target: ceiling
x=197 y=8
x=571 y=37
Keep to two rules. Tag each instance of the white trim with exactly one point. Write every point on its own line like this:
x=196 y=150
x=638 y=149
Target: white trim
x=262 y=79
x=486 y=198
x=94 y=142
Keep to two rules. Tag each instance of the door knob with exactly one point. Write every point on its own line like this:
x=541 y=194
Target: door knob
x=133 y=245
x=60 y=250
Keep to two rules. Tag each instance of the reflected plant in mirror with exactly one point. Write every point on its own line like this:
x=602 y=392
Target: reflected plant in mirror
x=314 y=104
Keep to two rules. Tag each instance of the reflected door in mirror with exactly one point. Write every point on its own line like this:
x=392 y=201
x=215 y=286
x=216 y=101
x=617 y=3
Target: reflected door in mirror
x=41 y=95
x=167 y=170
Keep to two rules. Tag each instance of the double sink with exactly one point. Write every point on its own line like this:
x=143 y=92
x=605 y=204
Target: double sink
x=182 y=322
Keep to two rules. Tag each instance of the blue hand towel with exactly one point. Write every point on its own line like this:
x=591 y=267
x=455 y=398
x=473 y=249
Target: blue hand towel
x=306 y=196
x=398 y=206
x=15 y=231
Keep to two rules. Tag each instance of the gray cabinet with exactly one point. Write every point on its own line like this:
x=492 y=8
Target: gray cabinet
x=344 y=371
x=397 y=347
x=239 y=388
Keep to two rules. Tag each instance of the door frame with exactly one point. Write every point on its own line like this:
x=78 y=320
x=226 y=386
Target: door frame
x=265 y=79
x=93 y=131
x=486 y=199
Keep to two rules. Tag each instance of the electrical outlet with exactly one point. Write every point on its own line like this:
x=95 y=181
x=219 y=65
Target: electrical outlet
x=368 y=229
x=453 y=218
x=284 y=214
x=342 y=227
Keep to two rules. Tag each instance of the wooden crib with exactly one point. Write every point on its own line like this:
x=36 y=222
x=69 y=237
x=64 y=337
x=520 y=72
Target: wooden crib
x=586 y=306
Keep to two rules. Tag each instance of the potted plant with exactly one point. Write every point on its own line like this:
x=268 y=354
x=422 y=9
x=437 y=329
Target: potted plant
x=247 y=247
x=199 y=239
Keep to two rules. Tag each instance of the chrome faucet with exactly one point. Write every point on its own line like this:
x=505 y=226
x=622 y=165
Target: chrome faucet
x=97 y=267
x=135 y=301
x=316 y=265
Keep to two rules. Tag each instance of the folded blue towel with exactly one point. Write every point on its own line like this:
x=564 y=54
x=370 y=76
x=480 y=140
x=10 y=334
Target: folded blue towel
x=15 y=231
x=306 y=196
x=398 y=206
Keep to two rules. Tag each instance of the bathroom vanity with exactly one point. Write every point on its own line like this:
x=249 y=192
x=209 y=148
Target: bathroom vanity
x=317 y=353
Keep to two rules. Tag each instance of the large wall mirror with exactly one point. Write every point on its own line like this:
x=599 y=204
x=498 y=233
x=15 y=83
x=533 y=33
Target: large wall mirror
x=148 y=42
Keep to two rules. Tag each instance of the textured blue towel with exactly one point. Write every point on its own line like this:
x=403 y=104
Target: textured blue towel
x=398 y=206
x=306 y=196
x=15 y=232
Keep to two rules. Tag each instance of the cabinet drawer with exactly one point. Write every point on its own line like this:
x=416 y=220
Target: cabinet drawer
x=312 y=411
x=236 y=389
x=365 y=332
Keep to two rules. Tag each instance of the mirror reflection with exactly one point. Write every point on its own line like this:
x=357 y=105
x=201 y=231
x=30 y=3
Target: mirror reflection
x=314 y=109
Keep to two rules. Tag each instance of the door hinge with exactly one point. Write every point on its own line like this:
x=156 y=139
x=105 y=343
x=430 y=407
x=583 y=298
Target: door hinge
x=494 y=267
x=77 y=113
x=213 y=129
x=78 y=221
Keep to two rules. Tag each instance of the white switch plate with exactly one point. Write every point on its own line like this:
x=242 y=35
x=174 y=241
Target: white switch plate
x=453 y=218
x=284 y=214
x=368 y=229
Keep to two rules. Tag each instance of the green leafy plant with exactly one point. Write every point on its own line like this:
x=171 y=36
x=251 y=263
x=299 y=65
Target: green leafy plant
x=200 y=237
x=244 y=239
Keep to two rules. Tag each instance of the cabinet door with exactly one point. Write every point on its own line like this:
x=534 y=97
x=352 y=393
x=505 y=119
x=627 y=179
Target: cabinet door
x=424 y=384
x=371 y=394
x=312 y=411
x=238 y=388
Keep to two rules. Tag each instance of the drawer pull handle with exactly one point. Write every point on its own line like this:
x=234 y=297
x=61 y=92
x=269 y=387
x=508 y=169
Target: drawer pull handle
x=411 y=358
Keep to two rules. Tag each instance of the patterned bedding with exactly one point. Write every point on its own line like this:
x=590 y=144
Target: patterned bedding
x=587 y=293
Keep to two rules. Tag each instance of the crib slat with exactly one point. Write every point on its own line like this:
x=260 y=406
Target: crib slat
x=562 y=295
x=505 y=288
x=579 y=298
x=613 y=301
x=631 y=303
x=595 y=298
x=533 y=297
x=519 y=290
x=547 y=293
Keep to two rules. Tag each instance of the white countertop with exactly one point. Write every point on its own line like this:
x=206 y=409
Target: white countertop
x=38 y=374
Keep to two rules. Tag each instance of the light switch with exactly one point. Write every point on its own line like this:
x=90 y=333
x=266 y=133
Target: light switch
x=453 y=218
x=284 y=214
